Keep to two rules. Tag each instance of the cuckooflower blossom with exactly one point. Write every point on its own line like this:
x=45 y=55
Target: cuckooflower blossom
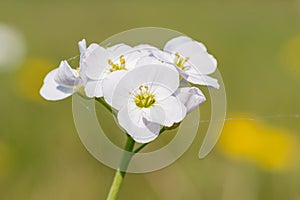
x=190 y=58
x=140 y=83
x=98 y=63
x=61 y=83
x=144 y=100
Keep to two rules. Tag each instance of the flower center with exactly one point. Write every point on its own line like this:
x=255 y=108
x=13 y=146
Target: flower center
x=180 y=61
x=144 y=99
x=115 y=66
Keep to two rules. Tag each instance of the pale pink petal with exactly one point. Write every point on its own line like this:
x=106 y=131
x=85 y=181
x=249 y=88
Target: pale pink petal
x=191 y=97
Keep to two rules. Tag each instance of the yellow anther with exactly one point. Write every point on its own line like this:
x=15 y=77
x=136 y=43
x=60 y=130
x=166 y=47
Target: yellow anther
x=186 y=59
x=122 y=60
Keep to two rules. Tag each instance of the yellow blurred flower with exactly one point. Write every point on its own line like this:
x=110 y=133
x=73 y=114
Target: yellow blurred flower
x=269 y=147
x=30 y=77
x=291 y=54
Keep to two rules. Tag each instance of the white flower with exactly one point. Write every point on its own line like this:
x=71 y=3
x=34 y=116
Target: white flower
x=191 y=60
x=191 y=97
x=61 y=83
x=144 y=100
x=97 y=63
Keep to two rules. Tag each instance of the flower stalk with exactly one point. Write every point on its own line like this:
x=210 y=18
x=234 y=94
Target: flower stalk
x=121 y=172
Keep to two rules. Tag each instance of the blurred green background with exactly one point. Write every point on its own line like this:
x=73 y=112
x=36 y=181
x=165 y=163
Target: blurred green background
x=257 y=44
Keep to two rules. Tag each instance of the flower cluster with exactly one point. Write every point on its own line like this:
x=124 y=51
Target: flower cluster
x=149 y=88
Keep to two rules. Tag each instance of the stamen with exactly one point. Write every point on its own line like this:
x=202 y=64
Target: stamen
x=110 y=62
x=78 y=72
x=180 y=61
x=176 y=58
x=115 y=67
x=186 y=60
x=144 y=99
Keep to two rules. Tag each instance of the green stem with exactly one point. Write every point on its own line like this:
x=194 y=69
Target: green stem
x=121 y=172
x=101 y=100
x=140 y=148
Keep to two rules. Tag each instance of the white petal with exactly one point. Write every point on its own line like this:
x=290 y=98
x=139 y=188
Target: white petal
x=203 y=80
x=164 y=56
x=82 y=46
x=50 y=76
x=140 y=133
x=145 y=49
x=147 y=60
x=53 y=92
x=66 y=76
x=167 y=112
x=160 y=91
x=93 y=89
x=198 y=57
x=94 y=61
x=214 y=60
x=191 y=97
x=155 y=56
x=141 y=76
x=117 y=50
x=183 y=74
x=175 y=42
x=109 y=84
x=135 y=113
